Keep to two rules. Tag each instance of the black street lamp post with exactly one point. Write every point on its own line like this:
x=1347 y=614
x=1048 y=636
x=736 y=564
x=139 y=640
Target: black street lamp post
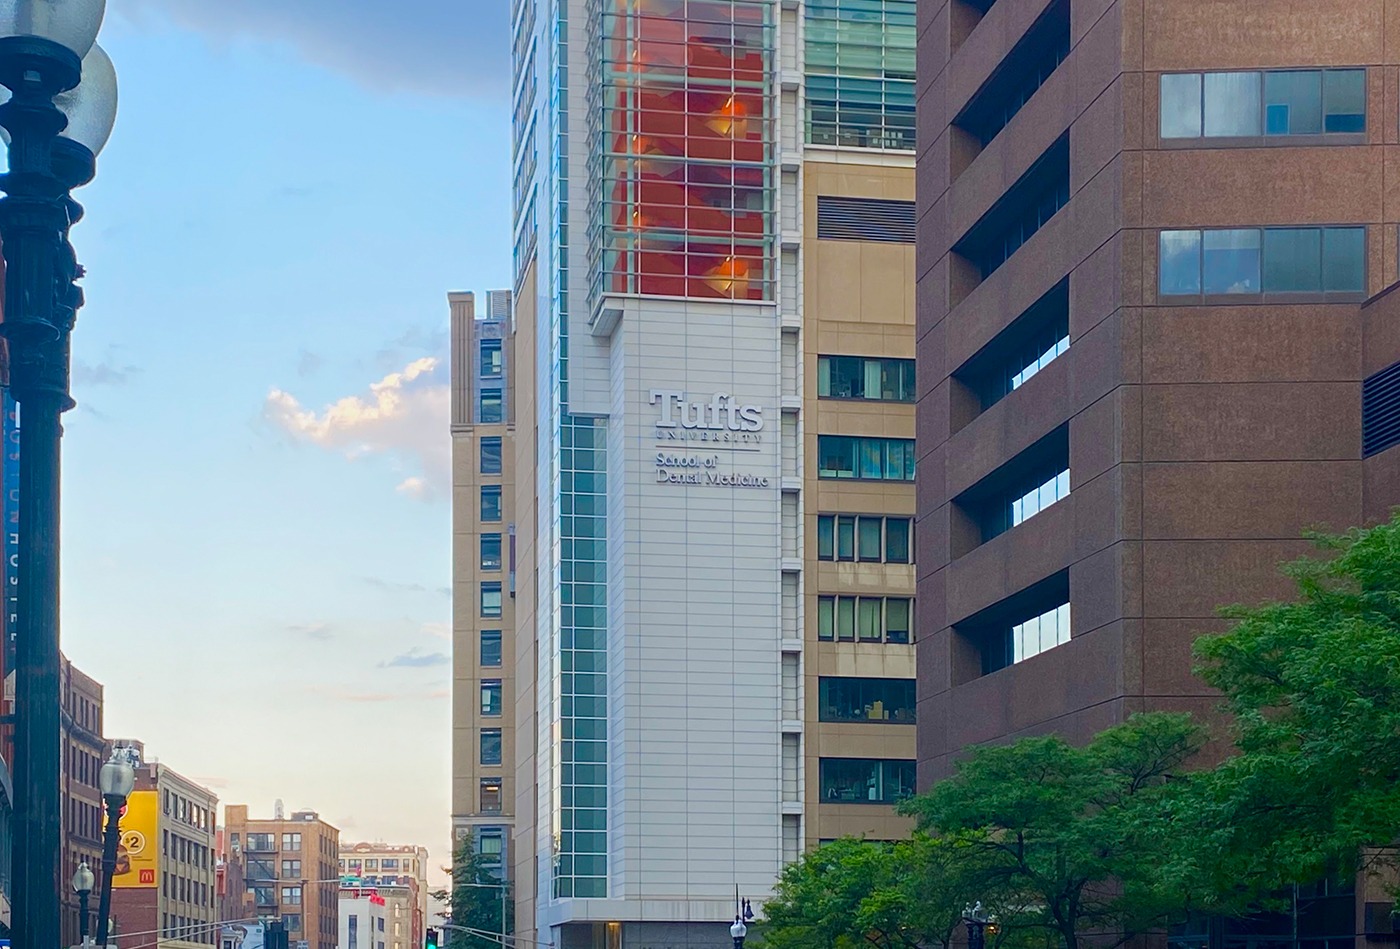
x=117 y=778
x=979 y=924
x=82 y=885
x=54 y=125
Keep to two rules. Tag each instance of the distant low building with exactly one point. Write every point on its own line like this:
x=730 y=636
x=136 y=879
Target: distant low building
x=398 y=874
x=364 y=919
x=290 y=871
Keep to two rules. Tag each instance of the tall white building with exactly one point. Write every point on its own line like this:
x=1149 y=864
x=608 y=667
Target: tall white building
x=709 y=209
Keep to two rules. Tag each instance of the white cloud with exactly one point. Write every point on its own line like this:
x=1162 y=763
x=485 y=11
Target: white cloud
x=404 y=417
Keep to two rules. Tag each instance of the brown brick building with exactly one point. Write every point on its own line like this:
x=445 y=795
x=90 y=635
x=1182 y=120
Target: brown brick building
x=291 y=868
x=83 y=755
x=1146 y=231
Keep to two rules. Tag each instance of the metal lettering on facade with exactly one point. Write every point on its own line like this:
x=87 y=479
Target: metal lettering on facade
x=722 y=422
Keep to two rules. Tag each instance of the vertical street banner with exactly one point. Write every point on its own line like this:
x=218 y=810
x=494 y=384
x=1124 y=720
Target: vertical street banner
x=9 y=480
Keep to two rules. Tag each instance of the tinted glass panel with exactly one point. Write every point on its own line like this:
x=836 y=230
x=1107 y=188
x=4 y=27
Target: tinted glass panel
x=1232 y=104
x=897 y=540
x=1344 y=259
x=866 y=700
x=491 y=455
x=1181 y=105
x=1180 y=263
x=1230 y=261
x=1293 y=102
x=1293 y=259
x=1344 y=100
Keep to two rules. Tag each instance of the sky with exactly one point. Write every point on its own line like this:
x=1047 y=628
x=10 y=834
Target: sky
x=256 y=525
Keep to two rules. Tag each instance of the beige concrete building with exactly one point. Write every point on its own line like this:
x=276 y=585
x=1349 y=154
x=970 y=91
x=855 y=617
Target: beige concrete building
x=399 y=875
x=291 y=867
x=169 y=829
x=483 y=585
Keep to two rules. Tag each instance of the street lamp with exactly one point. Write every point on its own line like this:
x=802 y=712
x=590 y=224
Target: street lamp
x=116 y=779
x=82 y=885
x=46 y=48
x=979 y=923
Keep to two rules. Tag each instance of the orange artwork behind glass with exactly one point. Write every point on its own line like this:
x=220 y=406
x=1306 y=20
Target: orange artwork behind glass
x=688 y=139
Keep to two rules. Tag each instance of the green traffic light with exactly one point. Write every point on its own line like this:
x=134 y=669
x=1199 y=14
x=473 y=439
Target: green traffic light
x=432 y=939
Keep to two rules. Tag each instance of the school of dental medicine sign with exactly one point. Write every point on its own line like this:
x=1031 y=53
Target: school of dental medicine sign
x=721 y=423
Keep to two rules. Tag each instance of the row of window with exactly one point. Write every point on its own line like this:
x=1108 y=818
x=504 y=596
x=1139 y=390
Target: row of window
x=375 y=863
x=850 y=699
x=865 y=538
x=267 y=843
x=1019 y=641
x=865 y=780
x=871 y=459
x=182 y=850
x=185 y=890
x=866 y=619
x=187 y=929
x=859 y=60
x=1260 y=104
x=865 y=377
x=1252 y=260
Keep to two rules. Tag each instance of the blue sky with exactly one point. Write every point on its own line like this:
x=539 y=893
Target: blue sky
x=256 y=530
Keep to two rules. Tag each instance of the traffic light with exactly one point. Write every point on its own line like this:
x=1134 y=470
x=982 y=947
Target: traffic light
x=432 y=939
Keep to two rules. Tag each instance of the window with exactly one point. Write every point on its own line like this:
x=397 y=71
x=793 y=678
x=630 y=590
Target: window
x=1031 y=62
x=881 y=539
x=491 y=455
x=291 y=841
x=390 y=863
x=491 y=362
x=866 y=618
x=1026 y=207
x=866 y=700
x=491 y=845
x=352 y=928
x=491 y=406
x=490 y=746
x=371 y=863
x=872 y=459
x=491 y=599
x=260 y=843
x=860 y=73
x=1380 y=411
x=1251 y=261
x=1023 y=626
x=291 y=869
x=865 y=780
x=490 y=795
x=1262 y=105
x=490 y=503
x=491 y=698
x=490 y=551
x=865 y=219
x=291 y=895
x=865 y=377
x=490 y=647
x=292 y=921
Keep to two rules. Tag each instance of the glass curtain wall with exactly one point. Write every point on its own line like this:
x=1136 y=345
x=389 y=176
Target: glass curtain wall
x=860 y=73
x=686 y=207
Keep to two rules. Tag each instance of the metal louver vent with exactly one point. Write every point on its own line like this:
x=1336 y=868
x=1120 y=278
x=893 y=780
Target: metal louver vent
x=865 y=219
x=1380 y=411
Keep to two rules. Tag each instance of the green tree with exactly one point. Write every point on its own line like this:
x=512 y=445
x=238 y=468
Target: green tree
x=1064 y=841
x=1313 y=687
x=475 y=902
x=854 y=893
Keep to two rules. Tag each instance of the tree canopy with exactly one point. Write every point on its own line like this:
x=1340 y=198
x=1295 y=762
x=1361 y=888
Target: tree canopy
x=1128 y=833
x=475 y=902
